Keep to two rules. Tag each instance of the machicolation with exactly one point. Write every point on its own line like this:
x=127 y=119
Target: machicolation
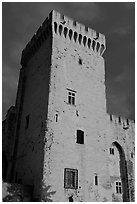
x=67 y=28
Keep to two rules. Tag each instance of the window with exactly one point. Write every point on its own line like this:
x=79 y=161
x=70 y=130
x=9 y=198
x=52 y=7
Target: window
x=56 y=117
x=80 y=137
x=96 y=180
x=71 y=178
x=55 y=27
x=112 y=150
x=71 y=199
x=27 y=122
x=80 y=61
x=118 y=187
x=71 y=97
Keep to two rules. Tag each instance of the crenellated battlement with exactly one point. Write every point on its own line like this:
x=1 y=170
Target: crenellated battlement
x=78 y=33
x=67 y=28
x=36 y=41
x=124 y=122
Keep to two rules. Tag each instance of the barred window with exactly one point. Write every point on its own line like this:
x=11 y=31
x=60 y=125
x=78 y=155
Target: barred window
x=118 y=187
x=71 y=97
x=111 y=150
x=71 y=178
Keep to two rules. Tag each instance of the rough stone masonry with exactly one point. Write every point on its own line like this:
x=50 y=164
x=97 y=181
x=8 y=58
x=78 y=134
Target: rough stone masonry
x=66 y=146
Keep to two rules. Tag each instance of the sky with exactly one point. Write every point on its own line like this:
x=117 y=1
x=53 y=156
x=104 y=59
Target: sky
x=115 y=20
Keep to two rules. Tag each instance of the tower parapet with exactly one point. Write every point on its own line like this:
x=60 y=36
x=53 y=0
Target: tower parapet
x=78 y=33
x=67 y=28
x=124 y=122
x=36 y=41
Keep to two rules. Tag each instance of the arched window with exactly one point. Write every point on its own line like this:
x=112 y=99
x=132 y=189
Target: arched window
x=56 y=117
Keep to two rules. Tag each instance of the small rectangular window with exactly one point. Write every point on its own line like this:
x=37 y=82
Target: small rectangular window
x=71 y=97
x=112 y=151
x=27 y=121
x=118 y=187
x=80 y=137
x=71 y=178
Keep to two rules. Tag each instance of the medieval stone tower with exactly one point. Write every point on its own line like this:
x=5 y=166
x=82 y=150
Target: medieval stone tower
x=66 y=145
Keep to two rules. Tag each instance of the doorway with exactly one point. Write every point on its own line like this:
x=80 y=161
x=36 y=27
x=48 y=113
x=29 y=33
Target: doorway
x=123 y=172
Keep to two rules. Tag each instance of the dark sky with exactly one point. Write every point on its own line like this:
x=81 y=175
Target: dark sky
x=115 y=20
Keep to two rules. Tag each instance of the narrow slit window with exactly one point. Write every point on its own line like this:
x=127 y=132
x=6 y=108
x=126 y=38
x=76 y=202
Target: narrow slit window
x=55 y=27
x=71 y=178
x=118 y=187
x=27 y=121
x=80 y=137
x=96 y=180
x=56 y=117
x=71 y=97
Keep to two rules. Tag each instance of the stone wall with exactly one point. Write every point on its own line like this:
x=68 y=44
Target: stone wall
x=8 y=126
x=78 y=68
x=29 y=158
x=65 y=56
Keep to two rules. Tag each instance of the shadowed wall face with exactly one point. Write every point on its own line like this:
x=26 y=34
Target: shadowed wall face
x=36 y=64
